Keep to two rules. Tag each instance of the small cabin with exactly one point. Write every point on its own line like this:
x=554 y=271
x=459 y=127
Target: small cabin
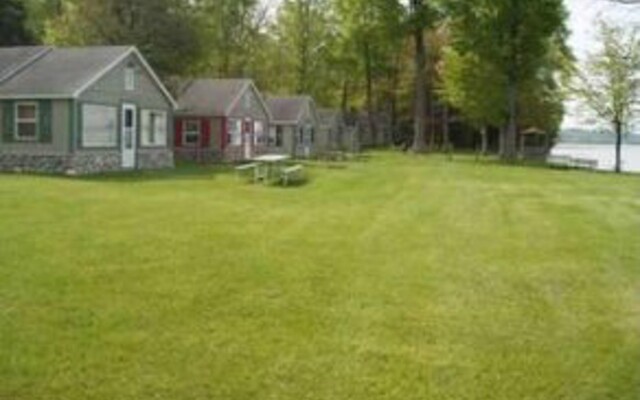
x=221 y=120
x=295 y=126
x=82 y=110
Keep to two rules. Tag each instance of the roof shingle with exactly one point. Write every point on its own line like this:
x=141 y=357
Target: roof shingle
x=210 y=96
x=13 y=58
x=61 y=71
x=287 y=109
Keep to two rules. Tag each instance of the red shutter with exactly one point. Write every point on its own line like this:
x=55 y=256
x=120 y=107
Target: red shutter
x=178 y=138
x=205 y=137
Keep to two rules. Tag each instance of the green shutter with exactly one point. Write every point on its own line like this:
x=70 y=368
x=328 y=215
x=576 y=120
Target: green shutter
x=79 y=125
x=8 y=118
x=46 y=128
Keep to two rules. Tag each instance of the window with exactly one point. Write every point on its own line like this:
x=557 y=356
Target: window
x=279 y=136
x=99 y=126
x=300 y=136
x=276 y=136
x=191 y=132
x=234 y=127
x=154 y=128
x=130 y=78
x=258 y=131
x=27 y=121
x=312 y=135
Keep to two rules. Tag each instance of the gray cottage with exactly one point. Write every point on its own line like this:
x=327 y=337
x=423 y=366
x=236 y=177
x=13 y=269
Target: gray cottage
x=295 y=126
x=82 y=110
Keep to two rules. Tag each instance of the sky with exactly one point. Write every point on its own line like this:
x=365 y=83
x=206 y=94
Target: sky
x=584 y=14
x=583 y=17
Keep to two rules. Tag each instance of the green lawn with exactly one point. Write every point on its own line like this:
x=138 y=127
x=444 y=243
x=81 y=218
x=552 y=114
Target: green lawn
x=397 y=278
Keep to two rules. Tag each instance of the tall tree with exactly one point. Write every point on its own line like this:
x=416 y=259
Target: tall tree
x=370 y=31
x=304 y=40
x=232 y=30
x=13 y=24
x=609 y=82
x=513 y=36
x=164 y=30
x=475 y=89
x=418 y=11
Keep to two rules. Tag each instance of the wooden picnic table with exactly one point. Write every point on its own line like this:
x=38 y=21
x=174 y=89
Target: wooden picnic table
x=270 y=163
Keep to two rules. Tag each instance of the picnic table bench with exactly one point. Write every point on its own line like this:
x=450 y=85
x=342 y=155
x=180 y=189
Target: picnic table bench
x=246 y=167
x=586 y=163
x=559 y=161
x=572 y=162
x=287 y=173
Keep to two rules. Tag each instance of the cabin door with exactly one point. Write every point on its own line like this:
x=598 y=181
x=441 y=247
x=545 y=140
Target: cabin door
x=247 y=139
x=129 y=135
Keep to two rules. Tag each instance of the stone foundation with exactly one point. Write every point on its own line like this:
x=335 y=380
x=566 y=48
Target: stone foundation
x=155 y=159
x=83 y=163
x=88 y=163
x=47 y=163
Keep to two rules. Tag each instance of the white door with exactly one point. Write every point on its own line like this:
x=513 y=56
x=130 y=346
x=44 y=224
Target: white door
x=248 y=139
x=129 y=135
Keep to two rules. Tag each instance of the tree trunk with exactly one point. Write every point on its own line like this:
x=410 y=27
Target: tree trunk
x=484 y=140
x=431 y=121
x=369 y=78
x=345 y=98
x=618 y=125
x=510 y=151
x=511 y=135
x=303 y=48
x=446 y=136
x=419 y=139
x=393 y=97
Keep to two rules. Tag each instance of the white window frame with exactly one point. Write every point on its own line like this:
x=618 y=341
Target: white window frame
x=130 y=78
x=115 y=132
x=35 y=120
x=239 y=130
x=186 y=132
x=257 y=137
x=146 y=124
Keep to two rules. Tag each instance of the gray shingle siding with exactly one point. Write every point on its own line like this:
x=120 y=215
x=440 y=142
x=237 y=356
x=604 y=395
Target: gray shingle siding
x=250 y=106
x=60 y=126
x=110 y=89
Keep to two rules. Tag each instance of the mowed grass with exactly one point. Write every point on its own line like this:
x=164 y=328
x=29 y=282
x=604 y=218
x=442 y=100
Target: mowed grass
x=397 y=278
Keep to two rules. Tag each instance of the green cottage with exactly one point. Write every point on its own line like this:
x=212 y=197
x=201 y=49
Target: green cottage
x=82 y=110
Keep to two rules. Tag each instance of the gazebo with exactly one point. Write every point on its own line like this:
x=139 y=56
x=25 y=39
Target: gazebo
x=534 y=143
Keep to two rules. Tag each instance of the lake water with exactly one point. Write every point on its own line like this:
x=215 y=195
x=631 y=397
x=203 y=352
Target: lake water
x=604 y=153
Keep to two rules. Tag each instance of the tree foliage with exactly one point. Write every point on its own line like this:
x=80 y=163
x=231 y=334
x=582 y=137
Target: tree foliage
x=609 y=82
x=164 y=30
x=512 y=38
x=14 y=28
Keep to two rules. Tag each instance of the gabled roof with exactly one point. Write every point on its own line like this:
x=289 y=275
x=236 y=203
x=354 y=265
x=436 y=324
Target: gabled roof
x=64 y=72
x=215 y=97
x=12 y=59
x=288 y=110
